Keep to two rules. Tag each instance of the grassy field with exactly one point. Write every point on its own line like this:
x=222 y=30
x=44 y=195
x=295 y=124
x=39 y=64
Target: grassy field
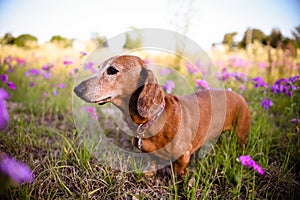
x=42 y=133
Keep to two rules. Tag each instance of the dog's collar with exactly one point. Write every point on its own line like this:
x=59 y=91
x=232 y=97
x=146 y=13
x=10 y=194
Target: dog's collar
x=142 y=127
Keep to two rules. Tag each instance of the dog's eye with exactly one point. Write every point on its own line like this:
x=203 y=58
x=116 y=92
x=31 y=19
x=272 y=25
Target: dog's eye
x=111 y=70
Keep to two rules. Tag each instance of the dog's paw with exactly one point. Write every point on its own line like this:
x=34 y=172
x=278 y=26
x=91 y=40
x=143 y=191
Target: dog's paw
x=148 y=174
x=150 y=170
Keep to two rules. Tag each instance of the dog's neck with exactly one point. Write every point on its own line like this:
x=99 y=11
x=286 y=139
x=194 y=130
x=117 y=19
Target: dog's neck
x=128 y=106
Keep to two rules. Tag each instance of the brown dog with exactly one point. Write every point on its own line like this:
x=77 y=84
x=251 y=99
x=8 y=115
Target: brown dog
x=171 y=127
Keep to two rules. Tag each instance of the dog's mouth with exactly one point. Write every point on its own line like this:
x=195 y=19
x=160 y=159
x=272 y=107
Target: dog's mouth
x=103 y=101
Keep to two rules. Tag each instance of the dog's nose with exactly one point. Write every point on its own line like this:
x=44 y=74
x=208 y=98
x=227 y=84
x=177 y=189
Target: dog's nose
x=79 y=90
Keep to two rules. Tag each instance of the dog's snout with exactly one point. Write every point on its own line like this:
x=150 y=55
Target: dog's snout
x=79 y=90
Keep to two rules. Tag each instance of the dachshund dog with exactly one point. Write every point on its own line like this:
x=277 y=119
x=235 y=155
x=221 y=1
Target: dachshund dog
x=169 y=126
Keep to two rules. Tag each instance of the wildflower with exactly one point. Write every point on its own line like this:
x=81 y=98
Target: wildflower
x=55 y=93
x=224 y=76
x=249 y=162
x=21 y=61
x=4 y=117
x=73 y=72
x=10 y=85
x=4 y=78
x=294 y=79
x=10 y=69
x=295 y=120
x=164 y=71
x=47 y=75
x=243 y=88
x=90 y=66
x=67 y=62
x=61 y=86
x=8 y=60
x=266 y=103
x=239 y=76
x=82 y=53
x=47 y=67
x=169 y=86
x=201 y=84
x=46 y=94
x=33 y=72
x=31 y=84
x=17 y=171
x=259 y=82
x=92 y=111
x=262 y=65
x=190 y=68
x=282 y=86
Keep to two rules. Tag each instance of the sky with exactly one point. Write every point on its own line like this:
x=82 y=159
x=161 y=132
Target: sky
x=207 y=20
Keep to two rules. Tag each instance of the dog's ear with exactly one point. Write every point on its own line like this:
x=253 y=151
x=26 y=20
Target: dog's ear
x=151 y=96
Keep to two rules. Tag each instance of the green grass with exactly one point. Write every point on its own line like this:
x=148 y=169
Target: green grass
x=43 y=135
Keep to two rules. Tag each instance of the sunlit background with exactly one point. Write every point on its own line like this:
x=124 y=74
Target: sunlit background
x=206 y=22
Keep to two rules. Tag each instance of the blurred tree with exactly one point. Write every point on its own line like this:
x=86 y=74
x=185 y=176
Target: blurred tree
x=133 y=41
x=8 y=39
x=275 y=39
x=250 y=36
x=25 y=40
x=296 y=35
x=229 y=39
x=290 y=46
x=61 y=41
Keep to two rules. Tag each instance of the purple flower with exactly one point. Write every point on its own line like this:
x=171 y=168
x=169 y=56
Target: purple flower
x=47 y=75
x=82 y=53
x=67 y=62
x=201 y=84
x=46 y=94
x=47 y=67
x=259 y=82
x=224 y=75
x=61 y=86
x=262 y=65
x=21 y=61
x=73 y=72
x=4 y=117
x=239 y=76
x=190 y=68
x=8 y=60
x=10 y=69
x=17 y=171
x=90 y=66
x=242 y=87
x=3 y=94
x=249 y=162
x=4 y=78
x=92 y=111
x=11 y=85
x=33 y=72
x=266 y=103
x=283 y=86
x=295 y=120
x=55 y=93
x=294 y=79
x=169 y=86
x=164 y=71
x=31 y=84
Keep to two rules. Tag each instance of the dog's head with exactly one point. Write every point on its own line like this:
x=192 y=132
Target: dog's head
x=117 y=79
